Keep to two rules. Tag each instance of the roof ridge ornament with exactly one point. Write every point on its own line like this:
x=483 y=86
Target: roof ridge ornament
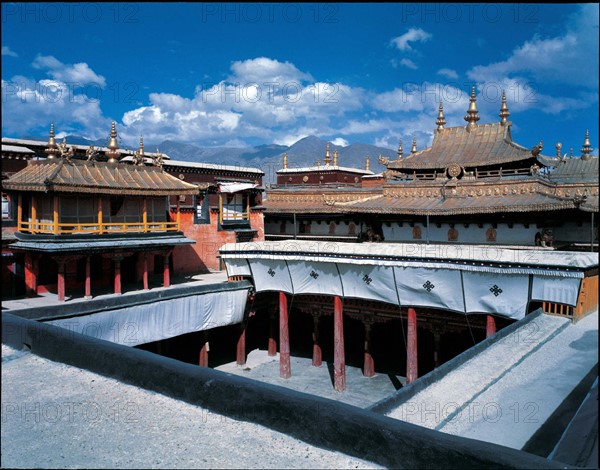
x=558 y=149
x=138 y=155
x=472 y=117
x=327 y=155
x=413 y=150
x=400 y=150
x=586 y=150
x=504 y=110
x=367 y=163
x=52 y=149
x=336 y=159
x=441 y=121
x=537 y=149
x=113 y=145
x=158 y=159
x=285 y=161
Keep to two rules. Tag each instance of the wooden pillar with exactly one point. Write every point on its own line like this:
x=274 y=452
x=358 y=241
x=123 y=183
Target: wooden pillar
x=317 y=358
x=33 y=225
x=203 y=359
x=117 y=262
x=369 y=364
x=272 y=349
x=100 y=222
x=61 y=280
x=88 y=279
x=285 y=371
x=240 y=356
x=19 y=211
x=145 y=274
x=490 y=326
x=166 y=272
x=30 y=275
x=339 y=360
x=221 y=208
x=178 y=213
x=411 y=348
x=145 y=213
x=55 y=216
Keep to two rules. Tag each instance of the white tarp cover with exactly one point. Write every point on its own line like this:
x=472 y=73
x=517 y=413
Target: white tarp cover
x=555 y=289
x=235 y=187
x=237 y=267
x=163 y=319
x=505 y=295
x=315 y=278
x=369 y=282
x=430 y=288
x=271 y=275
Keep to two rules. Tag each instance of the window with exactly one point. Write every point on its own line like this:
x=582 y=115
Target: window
x=201 y=209
x=234 y=206
x=6 y=207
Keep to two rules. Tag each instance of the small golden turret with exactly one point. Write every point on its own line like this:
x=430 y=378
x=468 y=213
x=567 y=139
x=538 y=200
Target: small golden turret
x=113 y=145
x=504 y=110
x=52 y=149
x=558 y=149
x=327 y=155
x=441 y=121
x=472 y=117
x=400 y=150
x=367 y=163
x=414 y=146
x=336 y=160
x=586 y=150
x=285 y=161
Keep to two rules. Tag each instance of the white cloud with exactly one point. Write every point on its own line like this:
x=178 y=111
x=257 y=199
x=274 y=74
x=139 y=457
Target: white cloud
x=408 y=64
x=8 y=52
x=340 y=142
x=449 y=73
x=571 y=58
x=79 y=73
x=412 y=35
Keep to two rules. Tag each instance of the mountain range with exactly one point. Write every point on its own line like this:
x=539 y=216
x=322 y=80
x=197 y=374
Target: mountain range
x=267 y=157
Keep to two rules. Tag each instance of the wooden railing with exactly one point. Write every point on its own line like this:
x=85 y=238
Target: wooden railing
x=95 y=228
x=561 y=310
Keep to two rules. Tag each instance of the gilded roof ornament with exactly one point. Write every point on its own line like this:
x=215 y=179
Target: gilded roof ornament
x=472 y=117
x=138 y=155
x=113 y=145
x=558 y=149
x=335 y=158
x=441 y=121
x=504 y=110
x=400 y=150
x=414 y=146
x=65 y=151
x=327 y=155
x=367 y=163
x=158 y=159
x=52 y=148
x=91 y=153
x=586 y=150
x=536 y=150
x=285 y=161
x=571 y=152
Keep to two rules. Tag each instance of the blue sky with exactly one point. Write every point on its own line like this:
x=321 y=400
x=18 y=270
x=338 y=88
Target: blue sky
x=248 y=74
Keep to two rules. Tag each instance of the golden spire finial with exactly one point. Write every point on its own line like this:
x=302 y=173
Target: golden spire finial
x=113 y=145
x=587 y=147
x=504 y=110
x=52 y=147
x=400 y=150
x=141 y=146
x=367 y=163
x=571 y=152
x=558 y=148
x=336 y=160
x=327 y=155
x=414 y=146
x=285 y=161
x=472 y=117
x=441 y=121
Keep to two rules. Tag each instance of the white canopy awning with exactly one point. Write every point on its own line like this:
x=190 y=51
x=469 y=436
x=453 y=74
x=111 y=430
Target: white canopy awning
x=235 y=187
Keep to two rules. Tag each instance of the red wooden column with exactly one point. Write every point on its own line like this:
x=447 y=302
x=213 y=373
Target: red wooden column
x=272 y=350
x=166 y=272
x=203 y=359
x=145 y=274
x=412 y=372
x=369 y=366
x=317 y=358
x=285 y=370
x=61 y=280
x=490 y=326
x=88 y=280
x=117 y=261
x=339 y=360
x=240 y=358
x=30 y=275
